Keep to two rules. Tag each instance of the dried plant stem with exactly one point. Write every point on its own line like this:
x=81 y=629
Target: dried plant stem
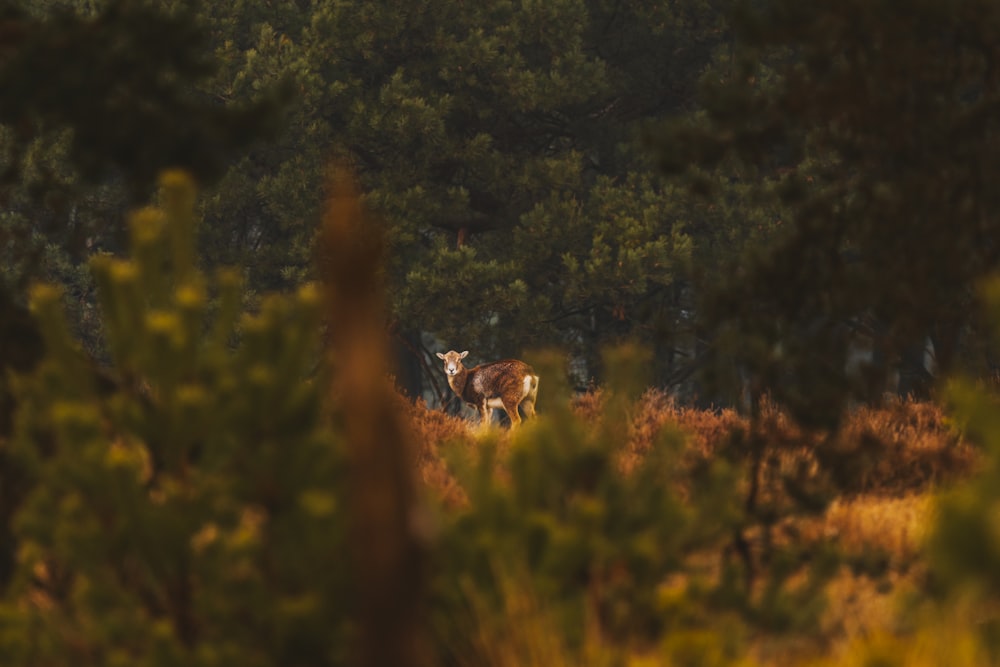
x=388 y=557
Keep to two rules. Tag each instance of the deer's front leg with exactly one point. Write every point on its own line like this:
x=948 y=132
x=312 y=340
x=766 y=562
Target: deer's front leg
x=485 y=415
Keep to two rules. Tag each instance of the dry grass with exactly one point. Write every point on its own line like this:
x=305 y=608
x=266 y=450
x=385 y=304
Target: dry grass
x=434 y=429
x=883 y=510
x=896 y=526
x=911 y=448
x=524 y=633
x=898 y=450
x=939 y=641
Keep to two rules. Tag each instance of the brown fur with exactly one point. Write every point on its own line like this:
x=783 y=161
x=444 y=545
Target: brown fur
x=485 y=385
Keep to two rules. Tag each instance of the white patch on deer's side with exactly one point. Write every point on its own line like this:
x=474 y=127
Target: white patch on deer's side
x=494 y=403
x=527 y=385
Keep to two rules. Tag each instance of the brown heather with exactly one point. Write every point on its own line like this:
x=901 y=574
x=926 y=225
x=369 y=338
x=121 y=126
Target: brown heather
x=900 y=449
x=903 y=447
x=917 y=448
x=433 y=430
x=883 y=506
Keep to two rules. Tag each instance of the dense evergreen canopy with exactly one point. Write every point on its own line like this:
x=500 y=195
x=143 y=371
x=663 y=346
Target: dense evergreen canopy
x=499 y=142
x=502 y=146
x=874 y=127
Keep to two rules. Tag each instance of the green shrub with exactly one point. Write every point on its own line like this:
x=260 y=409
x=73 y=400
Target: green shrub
x=642 y=557
x=184 y=511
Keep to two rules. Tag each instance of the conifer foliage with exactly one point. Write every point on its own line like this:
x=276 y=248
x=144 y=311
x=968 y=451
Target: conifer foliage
x=873 y=126
x=189 y=515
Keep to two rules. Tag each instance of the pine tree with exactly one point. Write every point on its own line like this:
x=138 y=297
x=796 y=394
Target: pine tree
x=92 y=94
x=873 y=132
x=475 y=132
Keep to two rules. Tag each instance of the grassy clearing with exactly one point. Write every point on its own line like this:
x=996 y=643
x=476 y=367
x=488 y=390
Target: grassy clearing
x=907 y=452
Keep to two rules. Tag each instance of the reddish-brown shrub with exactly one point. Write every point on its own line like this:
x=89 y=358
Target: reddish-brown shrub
x=432 y=429
x=892 y=450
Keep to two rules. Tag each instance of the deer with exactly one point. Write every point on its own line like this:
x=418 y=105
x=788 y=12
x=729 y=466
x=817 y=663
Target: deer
x=506 y=384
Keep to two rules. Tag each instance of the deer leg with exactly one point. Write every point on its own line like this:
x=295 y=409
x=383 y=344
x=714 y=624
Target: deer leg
x=511 y=409
x=485 y=415
x=530 y=396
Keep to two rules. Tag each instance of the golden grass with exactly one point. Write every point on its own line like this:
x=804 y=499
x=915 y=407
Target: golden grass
x=524 y=633
x=897 y=526
x=950 y=640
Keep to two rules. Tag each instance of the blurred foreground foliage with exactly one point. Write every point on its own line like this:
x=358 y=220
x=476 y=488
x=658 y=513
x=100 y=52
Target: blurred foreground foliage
x=189 y=513
x=188 y=506
x=643 y=556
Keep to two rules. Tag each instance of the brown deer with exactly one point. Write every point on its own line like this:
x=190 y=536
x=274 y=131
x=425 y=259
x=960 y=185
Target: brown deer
x=503 y=384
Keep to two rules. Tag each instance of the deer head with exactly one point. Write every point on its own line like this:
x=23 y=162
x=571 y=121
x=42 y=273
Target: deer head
x=453 y=361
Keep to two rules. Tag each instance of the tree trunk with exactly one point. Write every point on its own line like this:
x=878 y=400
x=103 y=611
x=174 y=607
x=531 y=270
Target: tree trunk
x=407 y=366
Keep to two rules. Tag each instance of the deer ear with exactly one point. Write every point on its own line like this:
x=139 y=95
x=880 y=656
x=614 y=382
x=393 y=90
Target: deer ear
x=440 y=356
x=463 y=355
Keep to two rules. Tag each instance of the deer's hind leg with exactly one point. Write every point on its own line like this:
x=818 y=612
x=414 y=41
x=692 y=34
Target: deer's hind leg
x=510 y=407
x=530 y=395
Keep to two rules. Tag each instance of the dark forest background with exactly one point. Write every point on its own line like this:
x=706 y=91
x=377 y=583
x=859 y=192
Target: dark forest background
x=829 y=213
